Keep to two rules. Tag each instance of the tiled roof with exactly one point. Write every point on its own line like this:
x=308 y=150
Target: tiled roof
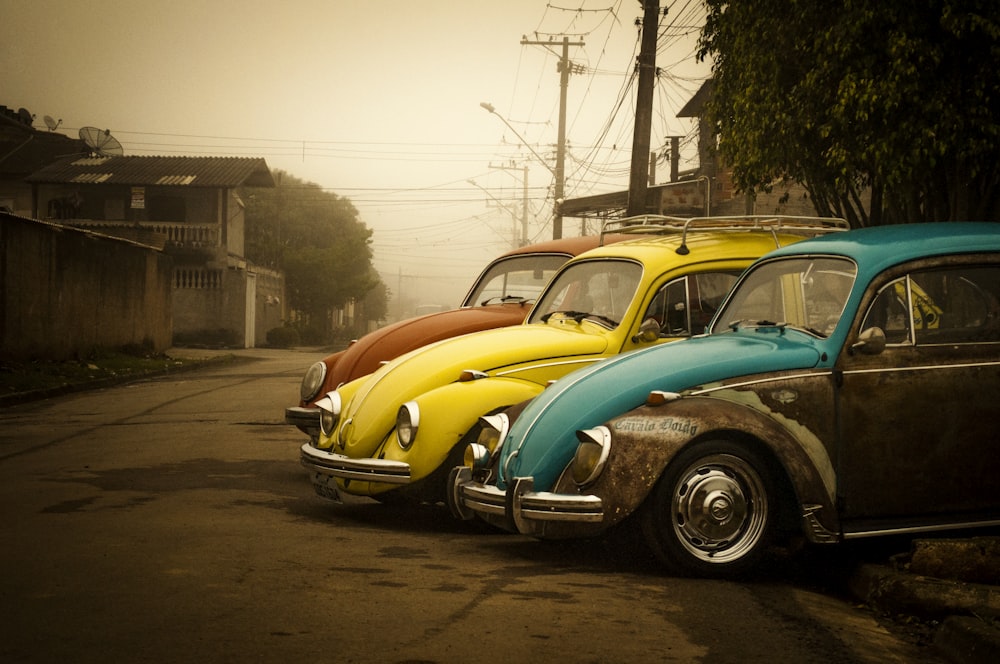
x=150 y=171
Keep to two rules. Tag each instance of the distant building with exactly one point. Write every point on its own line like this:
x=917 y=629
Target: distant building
x=188 y=207
x=703 y=191
x=24 y=150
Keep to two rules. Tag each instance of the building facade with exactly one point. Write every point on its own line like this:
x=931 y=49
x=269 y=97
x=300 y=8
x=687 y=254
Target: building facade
x=187 y=207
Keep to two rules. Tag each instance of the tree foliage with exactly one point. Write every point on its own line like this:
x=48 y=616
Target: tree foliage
x=316 y=238
x=885 y=111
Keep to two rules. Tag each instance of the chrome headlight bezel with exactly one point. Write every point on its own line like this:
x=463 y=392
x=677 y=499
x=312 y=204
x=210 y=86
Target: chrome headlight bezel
x=591 y=455
x=407 y=424
x=329 y=412
x=312 y=381
x=493 y=431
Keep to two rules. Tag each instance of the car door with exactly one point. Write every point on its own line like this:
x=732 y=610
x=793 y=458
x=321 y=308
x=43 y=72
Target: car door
x=919 y=421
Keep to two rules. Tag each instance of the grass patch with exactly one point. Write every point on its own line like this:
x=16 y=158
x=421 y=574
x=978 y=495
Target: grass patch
x=28 y=376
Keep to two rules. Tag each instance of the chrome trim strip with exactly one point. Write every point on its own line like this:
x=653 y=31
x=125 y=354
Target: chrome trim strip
x=926 y=367
x=544 y=365
x=906 y=530
x=758 y=381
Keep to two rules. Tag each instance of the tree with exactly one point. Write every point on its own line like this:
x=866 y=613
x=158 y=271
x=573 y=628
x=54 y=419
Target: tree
x=885 y=111
x=316 y=238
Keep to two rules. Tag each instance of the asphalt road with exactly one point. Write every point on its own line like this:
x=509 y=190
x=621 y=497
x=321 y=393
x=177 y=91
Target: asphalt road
x=168 y=520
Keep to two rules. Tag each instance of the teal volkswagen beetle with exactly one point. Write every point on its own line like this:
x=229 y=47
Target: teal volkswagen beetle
x=847 y=388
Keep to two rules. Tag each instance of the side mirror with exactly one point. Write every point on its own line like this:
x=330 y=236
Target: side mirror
x=649 y=331
x=870 y=341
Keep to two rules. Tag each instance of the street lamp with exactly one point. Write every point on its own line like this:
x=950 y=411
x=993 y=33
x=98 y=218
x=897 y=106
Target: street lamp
x=557 y=172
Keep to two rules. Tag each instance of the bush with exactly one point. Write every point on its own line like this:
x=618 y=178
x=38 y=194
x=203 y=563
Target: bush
x=217 y=338
x=283 y=337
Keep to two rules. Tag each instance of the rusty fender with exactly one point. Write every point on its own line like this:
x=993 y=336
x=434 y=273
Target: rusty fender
x=647 y=439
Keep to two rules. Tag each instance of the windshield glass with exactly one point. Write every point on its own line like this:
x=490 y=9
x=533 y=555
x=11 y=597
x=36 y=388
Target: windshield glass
x=520 y=277
x=602 y=289
x=808 y=293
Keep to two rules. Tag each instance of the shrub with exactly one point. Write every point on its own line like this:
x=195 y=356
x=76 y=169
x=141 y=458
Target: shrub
x=283 y=337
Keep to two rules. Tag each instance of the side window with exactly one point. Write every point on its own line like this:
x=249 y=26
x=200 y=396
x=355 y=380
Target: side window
x=685 y=306
x=956 y=305
x=946 y=306
x=888 y=312
x=708 y=290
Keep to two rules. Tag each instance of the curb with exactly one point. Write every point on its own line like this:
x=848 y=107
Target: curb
x=968 y=612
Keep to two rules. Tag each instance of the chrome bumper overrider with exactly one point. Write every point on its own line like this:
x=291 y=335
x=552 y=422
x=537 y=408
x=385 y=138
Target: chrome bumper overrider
x=527 y=509
x=330 y=464
x=306 y=419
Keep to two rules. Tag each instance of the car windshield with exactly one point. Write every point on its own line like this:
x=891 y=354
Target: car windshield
x=599 y=289
x=520 y=278
x=807 y=292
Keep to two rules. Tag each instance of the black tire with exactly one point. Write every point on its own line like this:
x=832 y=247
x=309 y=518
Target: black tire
x=713 y=511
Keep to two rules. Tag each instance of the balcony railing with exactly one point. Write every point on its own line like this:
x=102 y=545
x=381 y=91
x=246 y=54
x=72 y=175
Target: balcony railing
x=160 y=234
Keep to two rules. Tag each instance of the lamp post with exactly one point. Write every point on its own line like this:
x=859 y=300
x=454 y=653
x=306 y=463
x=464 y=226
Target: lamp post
x=558 y=172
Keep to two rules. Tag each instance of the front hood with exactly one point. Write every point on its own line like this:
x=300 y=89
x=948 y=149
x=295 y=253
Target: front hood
x=367 y=353
x=544 y=435
x=371 y=413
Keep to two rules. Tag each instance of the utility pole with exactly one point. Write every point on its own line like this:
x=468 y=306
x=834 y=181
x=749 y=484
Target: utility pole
x=524 y=199
x=646 y=64
x=565 y=67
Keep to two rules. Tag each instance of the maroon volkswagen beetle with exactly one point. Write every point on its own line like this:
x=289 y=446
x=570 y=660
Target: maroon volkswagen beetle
x=501 y=296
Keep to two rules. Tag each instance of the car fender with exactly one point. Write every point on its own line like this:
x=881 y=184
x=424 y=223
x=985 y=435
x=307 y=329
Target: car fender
x=346 y=392
x=646 y=439
x=449 y=412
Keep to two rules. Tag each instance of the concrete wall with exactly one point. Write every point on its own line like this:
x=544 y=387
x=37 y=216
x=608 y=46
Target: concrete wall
x=271 y=302
x=243 y=302
x=65 y=291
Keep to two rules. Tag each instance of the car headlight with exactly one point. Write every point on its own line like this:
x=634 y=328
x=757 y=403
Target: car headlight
x=407 y=423
x=312 y=382
x=477 y=456
x=591 y=454
x=329 y=412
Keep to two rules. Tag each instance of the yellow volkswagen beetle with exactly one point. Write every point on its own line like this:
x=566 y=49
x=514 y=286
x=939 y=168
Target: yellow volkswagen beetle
x=400 y=430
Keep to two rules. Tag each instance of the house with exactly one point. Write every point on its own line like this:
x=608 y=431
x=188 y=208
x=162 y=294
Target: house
x=189 y=208
x=24 y=150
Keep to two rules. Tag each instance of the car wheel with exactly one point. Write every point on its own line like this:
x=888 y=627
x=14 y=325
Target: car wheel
x=712 y=512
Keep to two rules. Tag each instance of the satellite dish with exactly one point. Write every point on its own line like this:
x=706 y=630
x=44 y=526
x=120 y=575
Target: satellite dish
x=25 y=116
x=52 y=124
x=101 y=143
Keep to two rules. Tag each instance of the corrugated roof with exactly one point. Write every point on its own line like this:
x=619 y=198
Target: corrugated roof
x=149 y=171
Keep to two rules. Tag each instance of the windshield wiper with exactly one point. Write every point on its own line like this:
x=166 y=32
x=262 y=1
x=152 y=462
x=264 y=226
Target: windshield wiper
x=578 y=317
x=610 y=321
x=736 y=324
x=575 y=315
x=504 y=299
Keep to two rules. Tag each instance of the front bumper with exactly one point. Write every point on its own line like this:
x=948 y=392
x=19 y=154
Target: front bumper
x=324 y=464
x=520 y=507
x=306 y=419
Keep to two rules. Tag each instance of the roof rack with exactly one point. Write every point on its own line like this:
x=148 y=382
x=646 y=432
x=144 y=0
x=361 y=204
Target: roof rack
x=652 y=224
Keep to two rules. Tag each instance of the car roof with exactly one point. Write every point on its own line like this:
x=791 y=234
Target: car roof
x=700 y=245
x=879 y=247
x=567 y=245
